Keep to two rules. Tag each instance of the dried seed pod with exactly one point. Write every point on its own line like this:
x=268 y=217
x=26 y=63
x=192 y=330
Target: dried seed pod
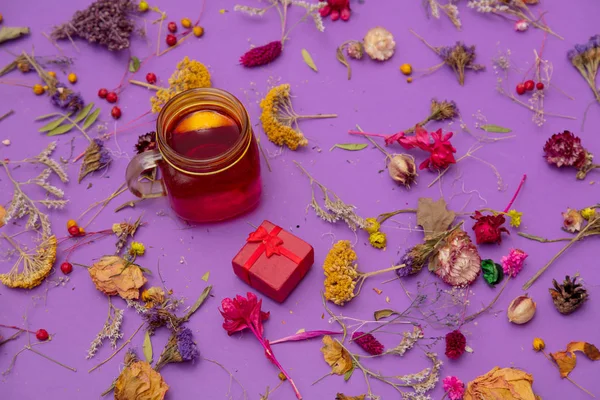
x=521 y=310
x=402 y=169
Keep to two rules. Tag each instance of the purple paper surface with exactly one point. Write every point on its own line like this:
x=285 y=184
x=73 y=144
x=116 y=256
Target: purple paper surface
x=379 y=100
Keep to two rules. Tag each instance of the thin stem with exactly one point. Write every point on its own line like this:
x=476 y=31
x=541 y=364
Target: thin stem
x=13 y=337
x=50 y=359
x=384 y=217
x=543 y=240
x=8 y=114
x=230 y=375
x=118 y=350
x=447 y=168
x=76 y=125
x=530 y=107
x=15 y=327
x=335 y=317
x=423 y=40
x=516 y=194
x=478 y=313
x=535 y=277
x=569 y=379
x=146 y=85
x=375 y=143
x=315 y=116
x=262 y=151
x=176 y=45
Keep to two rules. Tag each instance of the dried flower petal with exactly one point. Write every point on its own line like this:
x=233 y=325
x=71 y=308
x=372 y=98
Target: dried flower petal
x=513 y=263
x=565 y=149
x=2 y=216
x=454 y=387
x=336 y=356
x=139 y=381
x=441 y=150
x=114 y=276
x=501 y=383
x=572 y=220
x=458 y=262
x=243 y=312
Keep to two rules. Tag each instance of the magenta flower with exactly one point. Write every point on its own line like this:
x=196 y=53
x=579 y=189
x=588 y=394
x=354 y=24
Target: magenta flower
x=454 y=388
x=513 y=263
x=245 y=313
x=261 y=55
x=368 y=343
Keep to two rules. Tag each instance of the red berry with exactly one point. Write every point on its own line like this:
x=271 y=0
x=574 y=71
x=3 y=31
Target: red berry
x=42 y=335
x=74 y=230
x=520 y=88
x=539 y=86
x=172 y=27
x=102 y=93
x=171 y=40
x=529 y=85
x=66 y=268
x=151 y=78
x=115 y=112
x=112 y=97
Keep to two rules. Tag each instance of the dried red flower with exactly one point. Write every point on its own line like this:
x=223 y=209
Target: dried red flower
x=442 y=151
x=456 y=344
x=337 y=9
x=368 y=343
x=261 y=55
x=488 y=228
x=565 y=149
x=241 y=313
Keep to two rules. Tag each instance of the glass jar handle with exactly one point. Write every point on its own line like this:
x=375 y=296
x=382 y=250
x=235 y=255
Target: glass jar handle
x=140 y=187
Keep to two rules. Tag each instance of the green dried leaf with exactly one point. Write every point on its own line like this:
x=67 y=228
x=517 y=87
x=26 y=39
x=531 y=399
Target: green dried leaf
x=198 y=303
x=147 y=348
x=349 y=146
x=308 y=60
x=134 y=64
x=90 y=119
x=492 y=272
x=342 y=58
x=46 y=116
x=83 y=113
x=61 y=130
x=205 y=276
x=381 y=314
x=495 y=128
x=9 y=33
x=348 y=374
x=53 y=124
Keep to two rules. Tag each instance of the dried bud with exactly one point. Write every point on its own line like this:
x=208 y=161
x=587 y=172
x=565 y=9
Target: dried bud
x=572 y=220
x=538 y=344
x=24 y=66
x=402 y=169
x=521 y=310
x=521 y=25
x=355 y=50
x=379 y=44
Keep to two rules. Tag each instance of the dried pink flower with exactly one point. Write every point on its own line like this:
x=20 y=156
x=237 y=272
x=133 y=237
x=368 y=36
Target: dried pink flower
x=572 y=220
x=261 y=55
x=565 y=149
x=454 y=388
x=458 y=262
x=368 y=343
x=513 y=263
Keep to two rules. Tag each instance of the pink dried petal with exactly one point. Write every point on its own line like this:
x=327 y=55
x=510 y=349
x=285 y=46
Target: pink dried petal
x=305 y=336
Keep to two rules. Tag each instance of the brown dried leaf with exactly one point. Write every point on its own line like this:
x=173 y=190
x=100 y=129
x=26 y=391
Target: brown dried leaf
x=114 y=276
x=336 y=356
x=139 y=381
x=566 y=360
x=434 y=217
x=501 y=384
x=9 y=33
x=339 y=53
x=341 y=396
x=588 y=349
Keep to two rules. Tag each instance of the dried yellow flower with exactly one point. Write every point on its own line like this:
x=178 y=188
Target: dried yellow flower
x=340 y=273
x=278 y=118
x=36 y=266
x=190 y=74
x=153 y=295
x=113 y=275
x=378 y=240
x=586 y=213
x=501 y=384
x=140 y=382
x=372 y=225
x=538 y=344
x=137 y=248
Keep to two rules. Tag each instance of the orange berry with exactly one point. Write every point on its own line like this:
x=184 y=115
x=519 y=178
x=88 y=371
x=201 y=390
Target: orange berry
x=81 y=231
x=52 y=74
x=71 y=223
x=38 y=89
x=198 y=31
x=72 y=77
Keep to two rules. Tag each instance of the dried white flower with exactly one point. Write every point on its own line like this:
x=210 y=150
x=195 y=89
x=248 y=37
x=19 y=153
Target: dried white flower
x=111 y=330
x=379 y=43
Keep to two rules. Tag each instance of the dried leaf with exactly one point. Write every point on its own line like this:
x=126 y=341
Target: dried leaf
x=588 y=349
x=341 y=396
x=61 y=130
x=381 y=314
x=46 y=116
x=53 y=124
x=206 y=276
x=147 y=348
x=342 y=58
x=349 y=146
x=95 y=157
x=139 y=381
x=10 y=33
x=495 y=128
x=348 y=374
x=114 y=276
x=308 y=60
x=198 y=303
x=134 y=64
x=91 y=119
x=336 y=356
x=566 y=360
x=83 y=113
x=434 y=217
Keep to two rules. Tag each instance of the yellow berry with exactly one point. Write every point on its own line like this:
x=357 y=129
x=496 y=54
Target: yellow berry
x=186 y=23
x=71 y=223
x=409 y=79
x=538 y=344
x=143 y=6
x=52 y=74
x=81 y=230
x=198 y=31
x=406 y=69
x=38 y=89
x=72 y=77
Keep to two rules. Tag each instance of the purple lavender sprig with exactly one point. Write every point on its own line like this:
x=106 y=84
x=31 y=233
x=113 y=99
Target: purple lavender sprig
x=586 y=58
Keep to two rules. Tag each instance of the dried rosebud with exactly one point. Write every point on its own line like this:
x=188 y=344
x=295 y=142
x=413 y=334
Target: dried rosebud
x=355 y=50
x=521 y=310
x=112 y=275
x=402 y=169
x=379 y=44
x=488 y=228
x=572 y=220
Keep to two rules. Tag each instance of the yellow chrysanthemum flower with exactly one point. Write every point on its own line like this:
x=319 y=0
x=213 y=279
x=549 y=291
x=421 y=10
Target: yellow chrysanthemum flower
x=137 y=248
x=190 y=74
x=515 y=218
x=340 y=273
x=378 y=239
x=36 y=266
x=372 y=225
x=588 y=213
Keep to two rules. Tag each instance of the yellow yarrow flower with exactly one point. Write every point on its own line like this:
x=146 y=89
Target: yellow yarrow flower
x=276 y=125
x=588 y=213
x=36 y=266
x=538 y=344
x=340 y=273
x=515 y=218
x=378 y=239
x=137 y=248
x=372 y=225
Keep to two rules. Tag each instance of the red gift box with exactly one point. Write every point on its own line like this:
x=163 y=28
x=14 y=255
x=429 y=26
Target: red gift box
x=273 y=261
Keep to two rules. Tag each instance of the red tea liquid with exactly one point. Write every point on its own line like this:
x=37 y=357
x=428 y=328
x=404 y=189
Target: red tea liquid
x=205 y=135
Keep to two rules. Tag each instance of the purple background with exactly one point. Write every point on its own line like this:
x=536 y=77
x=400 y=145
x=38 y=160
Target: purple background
x=377 y=98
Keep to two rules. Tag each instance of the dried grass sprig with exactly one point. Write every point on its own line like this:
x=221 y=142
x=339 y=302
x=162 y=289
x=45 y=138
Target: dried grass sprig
x=433 y=8
x=111 y=330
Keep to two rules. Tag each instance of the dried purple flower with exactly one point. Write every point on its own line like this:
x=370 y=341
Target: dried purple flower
x=179 y=348
x=66 y=99
x=414 y=260
x=586 y=58
x=146 y=142
x=459 y=57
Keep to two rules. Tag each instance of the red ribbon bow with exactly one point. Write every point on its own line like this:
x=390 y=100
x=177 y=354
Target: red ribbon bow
x=271 y=242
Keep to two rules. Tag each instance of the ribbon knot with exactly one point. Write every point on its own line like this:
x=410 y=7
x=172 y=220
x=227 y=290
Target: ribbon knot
x=272 y=243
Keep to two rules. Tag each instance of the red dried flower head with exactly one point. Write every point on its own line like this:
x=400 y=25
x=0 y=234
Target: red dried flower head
x=565 y=149
x=488 y=228
x=456 y=344
x=368 y=343
x=261 y=55
x=241 y=313
x=442 y=151
x=337 y=9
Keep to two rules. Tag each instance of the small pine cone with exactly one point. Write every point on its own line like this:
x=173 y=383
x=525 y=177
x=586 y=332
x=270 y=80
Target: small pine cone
x=261 y=55
x=568 y=296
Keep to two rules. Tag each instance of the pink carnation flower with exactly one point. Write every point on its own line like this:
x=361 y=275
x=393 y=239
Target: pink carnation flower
x=454 y=388
x=513 y=263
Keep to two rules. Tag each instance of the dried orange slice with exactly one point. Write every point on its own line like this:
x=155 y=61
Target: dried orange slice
x=203 y=120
